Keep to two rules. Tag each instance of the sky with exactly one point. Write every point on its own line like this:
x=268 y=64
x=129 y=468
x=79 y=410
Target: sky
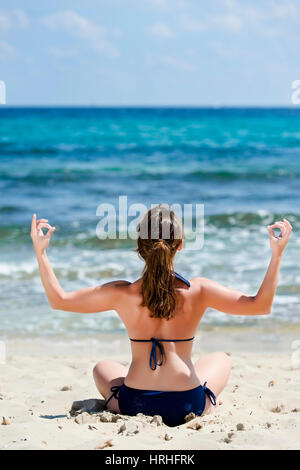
x=150 y=52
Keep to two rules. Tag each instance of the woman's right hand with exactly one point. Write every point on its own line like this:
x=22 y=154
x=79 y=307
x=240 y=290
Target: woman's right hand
x=39 y=239
x=279 y=243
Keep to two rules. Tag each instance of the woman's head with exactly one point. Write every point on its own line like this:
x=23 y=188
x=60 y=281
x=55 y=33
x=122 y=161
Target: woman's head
x=160 y=235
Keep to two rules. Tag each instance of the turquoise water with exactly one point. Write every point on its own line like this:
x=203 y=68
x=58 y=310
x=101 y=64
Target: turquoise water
x=242 y=164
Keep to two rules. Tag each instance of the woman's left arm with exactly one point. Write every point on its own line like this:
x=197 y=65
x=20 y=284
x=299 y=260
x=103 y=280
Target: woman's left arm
x=87 y=300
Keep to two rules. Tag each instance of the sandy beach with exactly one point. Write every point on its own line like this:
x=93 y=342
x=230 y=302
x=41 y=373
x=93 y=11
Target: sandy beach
x=49 y=401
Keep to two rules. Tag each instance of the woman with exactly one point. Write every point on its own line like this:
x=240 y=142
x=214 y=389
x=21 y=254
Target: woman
x=161 y=312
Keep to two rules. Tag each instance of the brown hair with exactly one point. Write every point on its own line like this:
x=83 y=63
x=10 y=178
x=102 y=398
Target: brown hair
x=159 y=236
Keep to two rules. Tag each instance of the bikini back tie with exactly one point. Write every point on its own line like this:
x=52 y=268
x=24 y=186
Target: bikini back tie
x=156 y=345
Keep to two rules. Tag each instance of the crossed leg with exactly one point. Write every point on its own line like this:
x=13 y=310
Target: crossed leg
x=214 y=369
x=108 y=374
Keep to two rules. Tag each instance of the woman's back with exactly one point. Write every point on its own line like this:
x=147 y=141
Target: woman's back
x=177 y=371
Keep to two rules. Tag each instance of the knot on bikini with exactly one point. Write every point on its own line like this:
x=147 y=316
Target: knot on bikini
x=210 y=394
x=156 y=347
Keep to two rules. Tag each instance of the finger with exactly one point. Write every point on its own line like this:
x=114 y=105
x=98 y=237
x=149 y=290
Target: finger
x=283 y=227
x=33 y=223
x=288 y=231
x=279 y=225
x=288 y=223
x=41 y=220
x=43 y=225
x=276 y=224
x=287 y=228
x=271 y=233
x=50 y=232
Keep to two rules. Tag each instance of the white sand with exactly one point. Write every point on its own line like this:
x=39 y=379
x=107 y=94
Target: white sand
x=262 y=399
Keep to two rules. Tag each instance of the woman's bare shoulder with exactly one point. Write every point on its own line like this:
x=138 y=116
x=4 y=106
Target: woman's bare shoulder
x=200 y=282
x=123 y=286
x=119 y=285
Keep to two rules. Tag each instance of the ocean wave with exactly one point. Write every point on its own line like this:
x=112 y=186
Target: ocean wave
x=77 y=236
x=135 y=145
x=56 y=175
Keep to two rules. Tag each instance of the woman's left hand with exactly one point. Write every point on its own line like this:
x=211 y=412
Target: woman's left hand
x=39 y=239
x=278 y=243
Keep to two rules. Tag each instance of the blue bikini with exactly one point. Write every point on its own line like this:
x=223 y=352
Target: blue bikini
x=171 y=406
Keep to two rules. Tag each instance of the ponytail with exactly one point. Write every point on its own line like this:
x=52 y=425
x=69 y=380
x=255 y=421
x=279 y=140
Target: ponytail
x=158 y=291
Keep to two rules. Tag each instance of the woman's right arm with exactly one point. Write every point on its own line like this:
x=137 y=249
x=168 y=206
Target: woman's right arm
x=234 y=302
x=87 y=300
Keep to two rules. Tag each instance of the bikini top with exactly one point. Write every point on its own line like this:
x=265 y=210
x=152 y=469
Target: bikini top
x=156 y=342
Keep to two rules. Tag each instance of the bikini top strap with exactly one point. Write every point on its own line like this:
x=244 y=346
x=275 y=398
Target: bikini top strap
x=181 y=278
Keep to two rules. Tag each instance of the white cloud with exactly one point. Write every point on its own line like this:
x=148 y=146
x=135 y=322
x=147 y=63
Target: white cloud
x=116 y=33
x=191 y=24
x=159 y=3
x=22 y=19
x=154 y=62
x=5 y=22
x=7 y=51
x=72 y=22
x=267 y=18
x=82 y=27
x=231 y=23
x=224 y=51
x=178 y=64
x=14 y=19
x=286 y=10
x=161 y=30
x=169 y=5
x=59 y=53
x=231 y=4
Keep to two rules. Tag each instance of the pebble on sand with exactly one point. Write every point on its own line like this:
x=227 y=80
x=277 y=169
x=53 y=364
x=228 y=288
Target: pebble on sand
x=104 y=445
x=189 y=417
x=277 y=409
x=157 y=420
x=196 y=425
x=129 y=428
x=240 y=427
x=5 y=421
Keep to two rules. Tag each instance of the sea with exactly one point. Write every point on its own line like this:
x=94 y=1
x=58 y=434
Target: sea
x=241 y=164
